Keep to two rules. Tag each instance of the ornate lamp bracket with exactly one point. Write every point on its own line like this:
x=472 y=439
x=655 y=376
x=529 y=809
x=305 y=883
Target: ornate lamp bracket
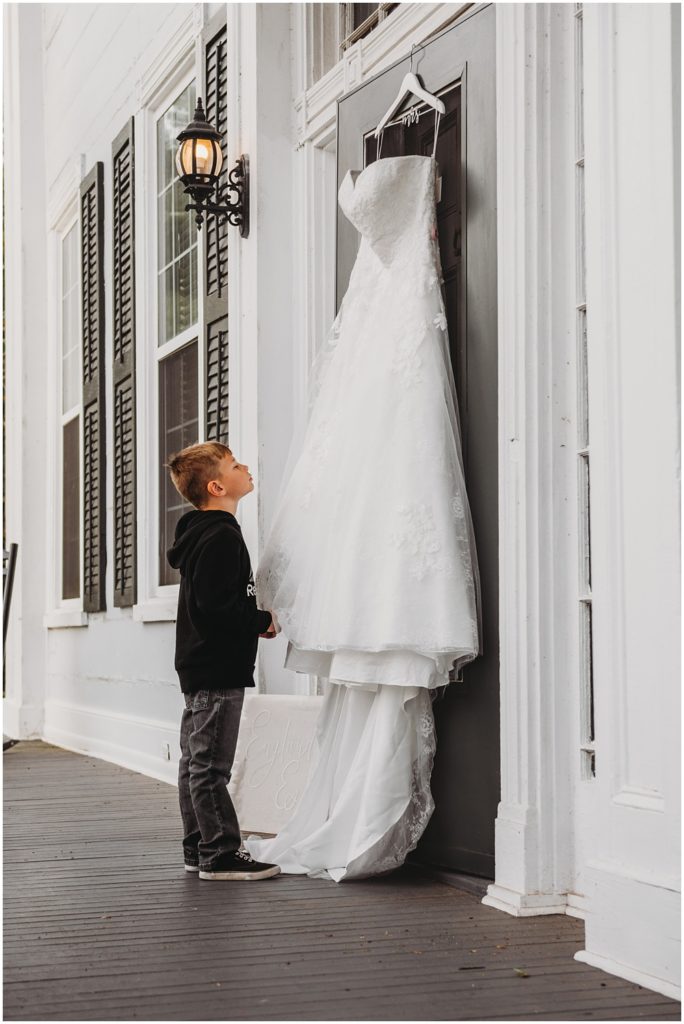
x=230 y=202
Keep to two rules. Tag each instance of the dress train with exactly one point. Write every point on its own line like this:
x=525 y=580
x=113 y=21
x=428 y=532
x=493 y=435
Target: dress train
x=367 y=799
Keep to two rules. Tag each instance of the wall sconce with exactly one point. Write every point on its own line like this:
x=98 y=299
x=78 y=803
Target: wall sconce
x=198 y=162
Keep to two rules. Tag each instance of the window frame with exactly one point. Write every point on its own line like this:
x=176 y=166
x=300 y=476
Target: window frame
x=60 y=611
x=157 y=602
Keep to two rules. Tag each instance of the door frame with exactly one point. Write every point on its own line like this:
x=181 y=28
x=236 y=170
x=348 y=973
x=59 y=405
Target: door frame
x=460 y=835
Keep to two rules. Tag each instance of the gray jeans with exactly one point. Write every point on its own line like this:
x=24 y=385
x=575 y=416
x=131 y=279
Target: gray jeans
x=208 y=737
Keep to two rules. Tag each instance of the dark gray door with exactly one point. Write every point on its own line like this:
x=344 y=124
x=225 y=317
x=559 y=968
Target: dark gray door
x=458 y=65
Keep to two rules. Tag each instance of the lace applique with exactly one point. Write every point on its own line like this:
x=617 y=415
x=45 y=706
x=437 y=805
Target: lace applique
x=269 y=578
x=417 y=534
x=459 y=515
x=335 y=329
x=320 y=452
x=407 y=364
x=426 y=723
x=408 y=359
x=415 y=334
x=320 y=446
x=457 y=510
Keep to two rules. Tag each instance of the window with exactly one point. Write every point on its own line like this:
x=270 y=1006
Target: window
x=333 y=28
x=70 y=416
x=178 y=423
x=177 y=231
x=360 y=19
x=177 y=318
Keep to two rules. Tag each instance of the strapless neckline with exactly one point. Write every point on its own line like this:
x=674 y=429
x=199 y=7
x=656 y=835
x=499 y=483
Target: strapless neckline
x=356 y=174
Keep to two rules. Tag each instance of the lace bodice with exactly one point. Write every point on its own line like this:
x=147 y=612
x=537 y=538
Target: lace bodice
x=390 y=203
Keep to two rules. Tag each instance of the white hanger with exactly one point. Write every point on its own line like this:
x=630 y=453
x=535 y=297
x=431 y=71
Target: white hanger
x=410 y=86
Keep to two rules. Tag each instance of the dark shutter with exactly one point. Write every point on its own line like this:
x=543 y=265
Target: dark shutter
x=71 y=512
x=93 y=323
x=123 y=319
x=215 y=277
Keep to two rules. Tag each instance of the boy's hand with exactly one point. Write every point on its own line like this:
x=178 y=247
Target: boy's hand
x=273 y=629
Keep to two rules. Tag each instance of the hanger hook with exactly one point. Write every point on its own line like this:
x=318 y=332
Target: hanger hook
x=413 y=47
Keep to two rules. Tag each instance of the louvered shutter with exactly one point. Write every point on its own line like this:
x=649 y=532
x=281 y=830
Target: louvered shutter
x=93 y=325
x=123 y=318
x=215 y=322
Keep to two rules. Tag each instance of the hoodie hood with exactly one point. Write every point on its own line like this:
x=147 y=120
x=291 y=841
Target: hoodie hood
x=192 y=530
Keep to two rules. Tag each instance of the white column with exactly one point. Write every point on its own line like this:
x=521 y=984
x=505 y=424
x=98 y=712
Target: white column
x=261 y=314
x=25 y=290
x=538 y=552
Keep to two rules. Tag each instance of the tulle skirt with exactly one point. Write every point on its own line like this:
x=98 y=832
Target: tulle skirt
x=371 y=546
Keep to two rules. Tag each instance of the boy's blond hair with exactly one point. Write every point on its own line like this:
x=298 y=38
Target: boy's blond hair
x=193 y=467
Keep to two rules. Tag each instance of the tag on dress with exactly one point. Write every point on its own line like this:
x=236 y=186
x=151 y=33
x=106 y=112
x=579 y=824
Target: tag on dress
x=438 y=189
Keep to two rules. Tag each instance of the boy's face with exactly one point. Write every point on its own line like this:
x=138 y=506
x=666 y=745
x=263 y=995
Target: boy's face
x=234 y=479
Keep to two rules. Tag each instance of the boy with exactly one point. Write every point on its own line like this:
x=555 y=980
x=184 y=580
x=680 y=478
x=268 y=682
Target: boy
x=217 y=630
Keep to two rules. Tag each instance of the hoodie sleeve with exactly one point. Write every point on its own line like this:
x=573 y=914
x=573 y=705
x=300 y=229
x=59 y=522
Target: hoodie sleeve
x=218 y=592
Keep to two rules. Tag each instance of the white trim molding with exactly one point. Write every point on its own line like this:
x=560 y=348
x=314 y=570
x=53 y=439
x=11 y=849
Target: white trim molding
x=65 y=618
x=61 y=612
x=155 y=602
x=537 y=531
x=391 y=40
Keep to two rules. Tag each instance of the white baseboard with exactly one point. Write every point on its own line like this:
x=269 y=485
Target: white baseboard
x=632 y=928
x=22 y=721
x=522 y=904
x=113 y=737
x=611 y=966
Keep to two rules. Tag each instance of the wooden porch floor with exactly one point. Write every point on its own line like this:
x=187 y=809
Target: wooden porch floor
x=102 y=922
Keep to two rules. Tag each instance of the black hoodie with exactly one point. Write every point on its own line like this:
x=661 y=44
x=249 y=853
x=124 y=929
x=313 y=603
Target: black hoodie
x=218 y=623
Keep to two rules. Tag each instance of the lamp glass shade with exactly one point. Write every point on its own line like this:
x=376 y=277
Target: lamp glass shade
x=208 y=157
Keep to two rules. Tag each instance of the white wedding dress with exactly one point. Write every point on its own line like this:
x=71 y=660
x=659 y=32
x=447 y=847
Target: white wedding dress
x=370 y=564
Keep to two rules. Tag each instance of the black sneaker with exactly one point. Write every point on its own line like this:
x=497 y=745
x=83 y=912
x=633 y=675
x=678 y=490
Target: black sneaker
x=238 y=865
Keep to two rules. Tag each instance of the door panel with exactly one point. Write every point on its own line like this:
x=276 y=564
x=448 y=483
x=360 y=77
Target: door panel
x=458 y=65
